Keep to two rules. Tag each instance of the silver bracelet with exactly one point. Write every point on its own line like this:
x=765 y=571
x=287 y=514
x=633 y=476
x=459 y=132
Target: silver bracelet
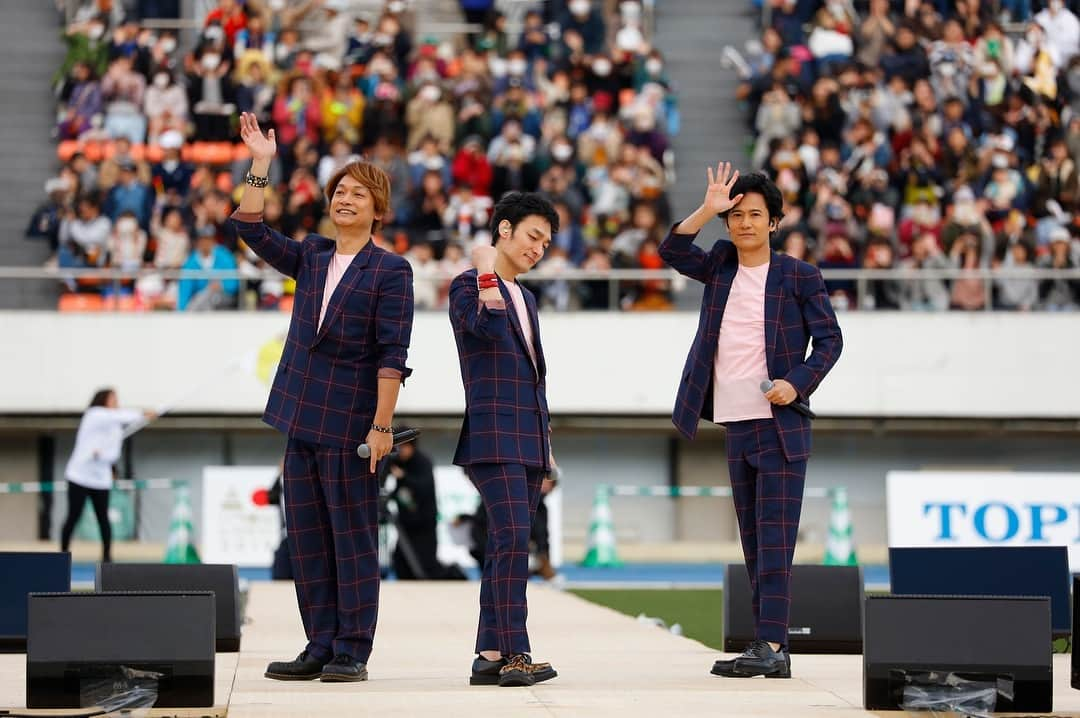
x=258 y=182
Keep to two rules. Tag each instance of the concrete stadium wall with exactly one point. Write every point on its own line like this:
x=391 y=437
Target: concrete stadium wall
x=894 y=364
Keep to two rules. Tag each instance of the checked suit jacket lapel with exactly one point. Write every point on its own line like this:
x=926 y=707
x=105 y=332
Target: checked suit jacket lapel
x=534 y=320
x=514 y=321
x=773 y=294
x=348 y=281
x=725 y=275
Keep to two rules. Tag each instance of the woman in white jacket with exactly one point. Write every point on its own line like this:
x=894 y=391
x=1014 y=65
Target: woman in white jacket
x=89 y=471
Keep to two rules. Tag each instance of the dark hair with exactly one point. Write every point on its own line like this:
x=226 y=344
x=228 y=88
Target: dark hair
x=759 y=183
x=516 y=206
x=101 y=396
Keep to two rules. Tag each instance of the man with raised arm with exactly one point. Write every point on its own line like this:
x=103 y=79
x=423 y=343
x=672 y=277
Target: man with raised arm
x=748 y=370
x=336 y=386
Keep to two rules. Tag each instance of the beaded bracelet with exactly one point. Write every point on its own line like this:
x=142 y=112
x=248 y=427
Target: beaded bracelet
x=382 y=429
x=257 y=182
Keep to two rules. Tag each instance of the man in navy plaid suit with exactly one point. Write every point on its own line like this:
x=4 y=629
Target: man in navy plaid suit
x=504 y=444
x=758 y=315
x=336 y=385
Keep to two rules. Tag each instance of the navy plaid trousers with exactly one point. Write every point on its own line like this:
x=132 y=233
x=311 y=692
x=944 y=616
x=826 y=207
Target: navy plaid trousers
x=511 y=493
x=332 y=518
x=768 y=491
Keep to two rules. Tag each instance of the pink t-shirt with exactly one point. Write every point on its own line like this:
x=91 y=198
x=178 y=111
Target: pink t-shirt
x=338 y=264
x=740 y=351
x=518 y=300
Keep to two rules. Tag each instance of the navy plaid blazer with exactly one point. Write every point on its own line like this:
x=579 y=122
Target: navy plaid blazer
x=797 y=308
x=325 y=390
x=506 y=411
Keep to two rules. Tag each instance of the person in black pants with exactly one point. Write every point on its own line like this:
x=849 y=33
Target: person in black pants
x=89 y=471
x=415 y=556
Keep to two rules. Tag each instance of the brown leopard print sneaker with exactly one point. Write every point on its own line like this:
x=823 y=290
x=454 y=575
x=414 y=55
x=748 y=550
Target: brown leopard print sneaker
x=521 y=671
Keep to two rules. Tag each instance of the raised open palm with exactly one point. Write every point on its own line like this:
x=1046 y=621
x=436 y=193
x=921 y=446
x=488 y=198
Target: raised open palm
x=718 y=197
x=262 y=147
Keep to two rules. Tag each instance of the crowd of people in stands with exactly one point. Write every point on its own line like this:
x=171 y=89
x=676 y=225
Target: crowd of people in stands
x=575 y=103
x=923 y=134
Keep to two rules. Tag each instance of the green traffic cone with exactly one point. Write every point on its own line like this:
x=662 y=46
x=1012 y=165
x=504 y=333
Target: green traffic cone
x=601 y=551
x=840 y=547
x=181 y=547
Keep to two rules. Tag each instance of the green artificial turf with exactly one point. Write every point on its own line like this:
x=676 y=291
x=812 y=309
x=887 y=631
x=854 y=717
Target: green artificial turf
x=698 y=611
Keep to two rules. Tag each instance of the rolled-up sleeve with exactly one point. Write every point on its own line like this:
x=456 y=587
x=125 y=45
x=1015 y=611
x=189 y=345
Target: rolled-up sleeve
x=394 y=320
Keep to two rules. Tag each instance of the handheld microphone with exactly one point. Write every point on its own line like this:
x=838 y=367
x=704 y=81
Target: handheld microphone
x=400 y=437
x=800 y=406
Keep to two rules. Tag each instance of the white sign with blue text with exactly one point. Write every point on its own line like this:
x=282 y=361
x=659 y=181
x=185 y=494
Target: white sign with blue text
x=984 y=508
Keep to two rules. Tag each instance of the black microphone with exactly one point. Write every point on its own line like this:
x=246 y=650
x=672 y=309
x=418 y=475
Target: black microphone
x=800 y=406
x=400 y=437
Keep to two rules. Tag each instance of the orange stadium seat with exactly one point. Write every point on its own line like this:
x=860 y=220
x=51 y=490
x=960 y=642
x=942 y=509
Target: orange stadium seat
x=72 y=302
x=214 y=153
x=123 y=303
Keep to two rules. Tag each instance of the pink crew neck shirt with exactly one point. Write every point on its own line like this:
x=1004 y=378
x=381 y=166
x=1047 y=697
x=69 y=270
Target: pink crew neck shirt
x=338 y=264
x=740 y=365
x=518 y=300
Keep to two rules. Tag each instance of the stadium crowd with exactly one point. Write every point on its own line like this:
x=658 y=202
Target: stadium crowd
x=576 y=105
x=923 y=134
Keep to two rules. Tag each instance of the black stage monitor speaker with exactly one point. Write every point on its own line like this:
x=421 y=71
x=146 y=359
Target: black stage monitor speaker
x=826 y=609
x=23 y=573
x=986 y=571
x=74 y=638
x=221 y=579
x=977 y=637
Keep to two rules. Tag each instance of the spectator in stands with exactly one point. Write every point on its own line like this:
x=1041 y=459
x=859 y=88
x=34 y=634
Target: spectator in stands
x=46 y=220
x=1017 y=293
x=1057 y=188
x=430 y=115
x=342 y=111
x=230 y=16
x=968 y=291
x=907 y=58
x=471 y=166
x=587 y=21
x=296 y=114
x=127 y=243
x=211 y=94
x=165 y=105
x=254 y=92
x=129 y=194
x=84 y=234
x=1062 y=31
x=172 y=173
x=122 y=90
x=930 y=293
x=430 y=201
x=208 y=294
x=1059 y=294
x=171 y=239
x=83 y=100
x=425 y=270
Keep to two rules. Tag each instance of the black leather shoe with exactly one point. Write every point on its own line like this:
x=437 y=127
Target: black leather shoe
x=761 y=660
x=521 y=671
x=304 y=667
x=726 y=668
x=485 y=672
x=343 y=669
